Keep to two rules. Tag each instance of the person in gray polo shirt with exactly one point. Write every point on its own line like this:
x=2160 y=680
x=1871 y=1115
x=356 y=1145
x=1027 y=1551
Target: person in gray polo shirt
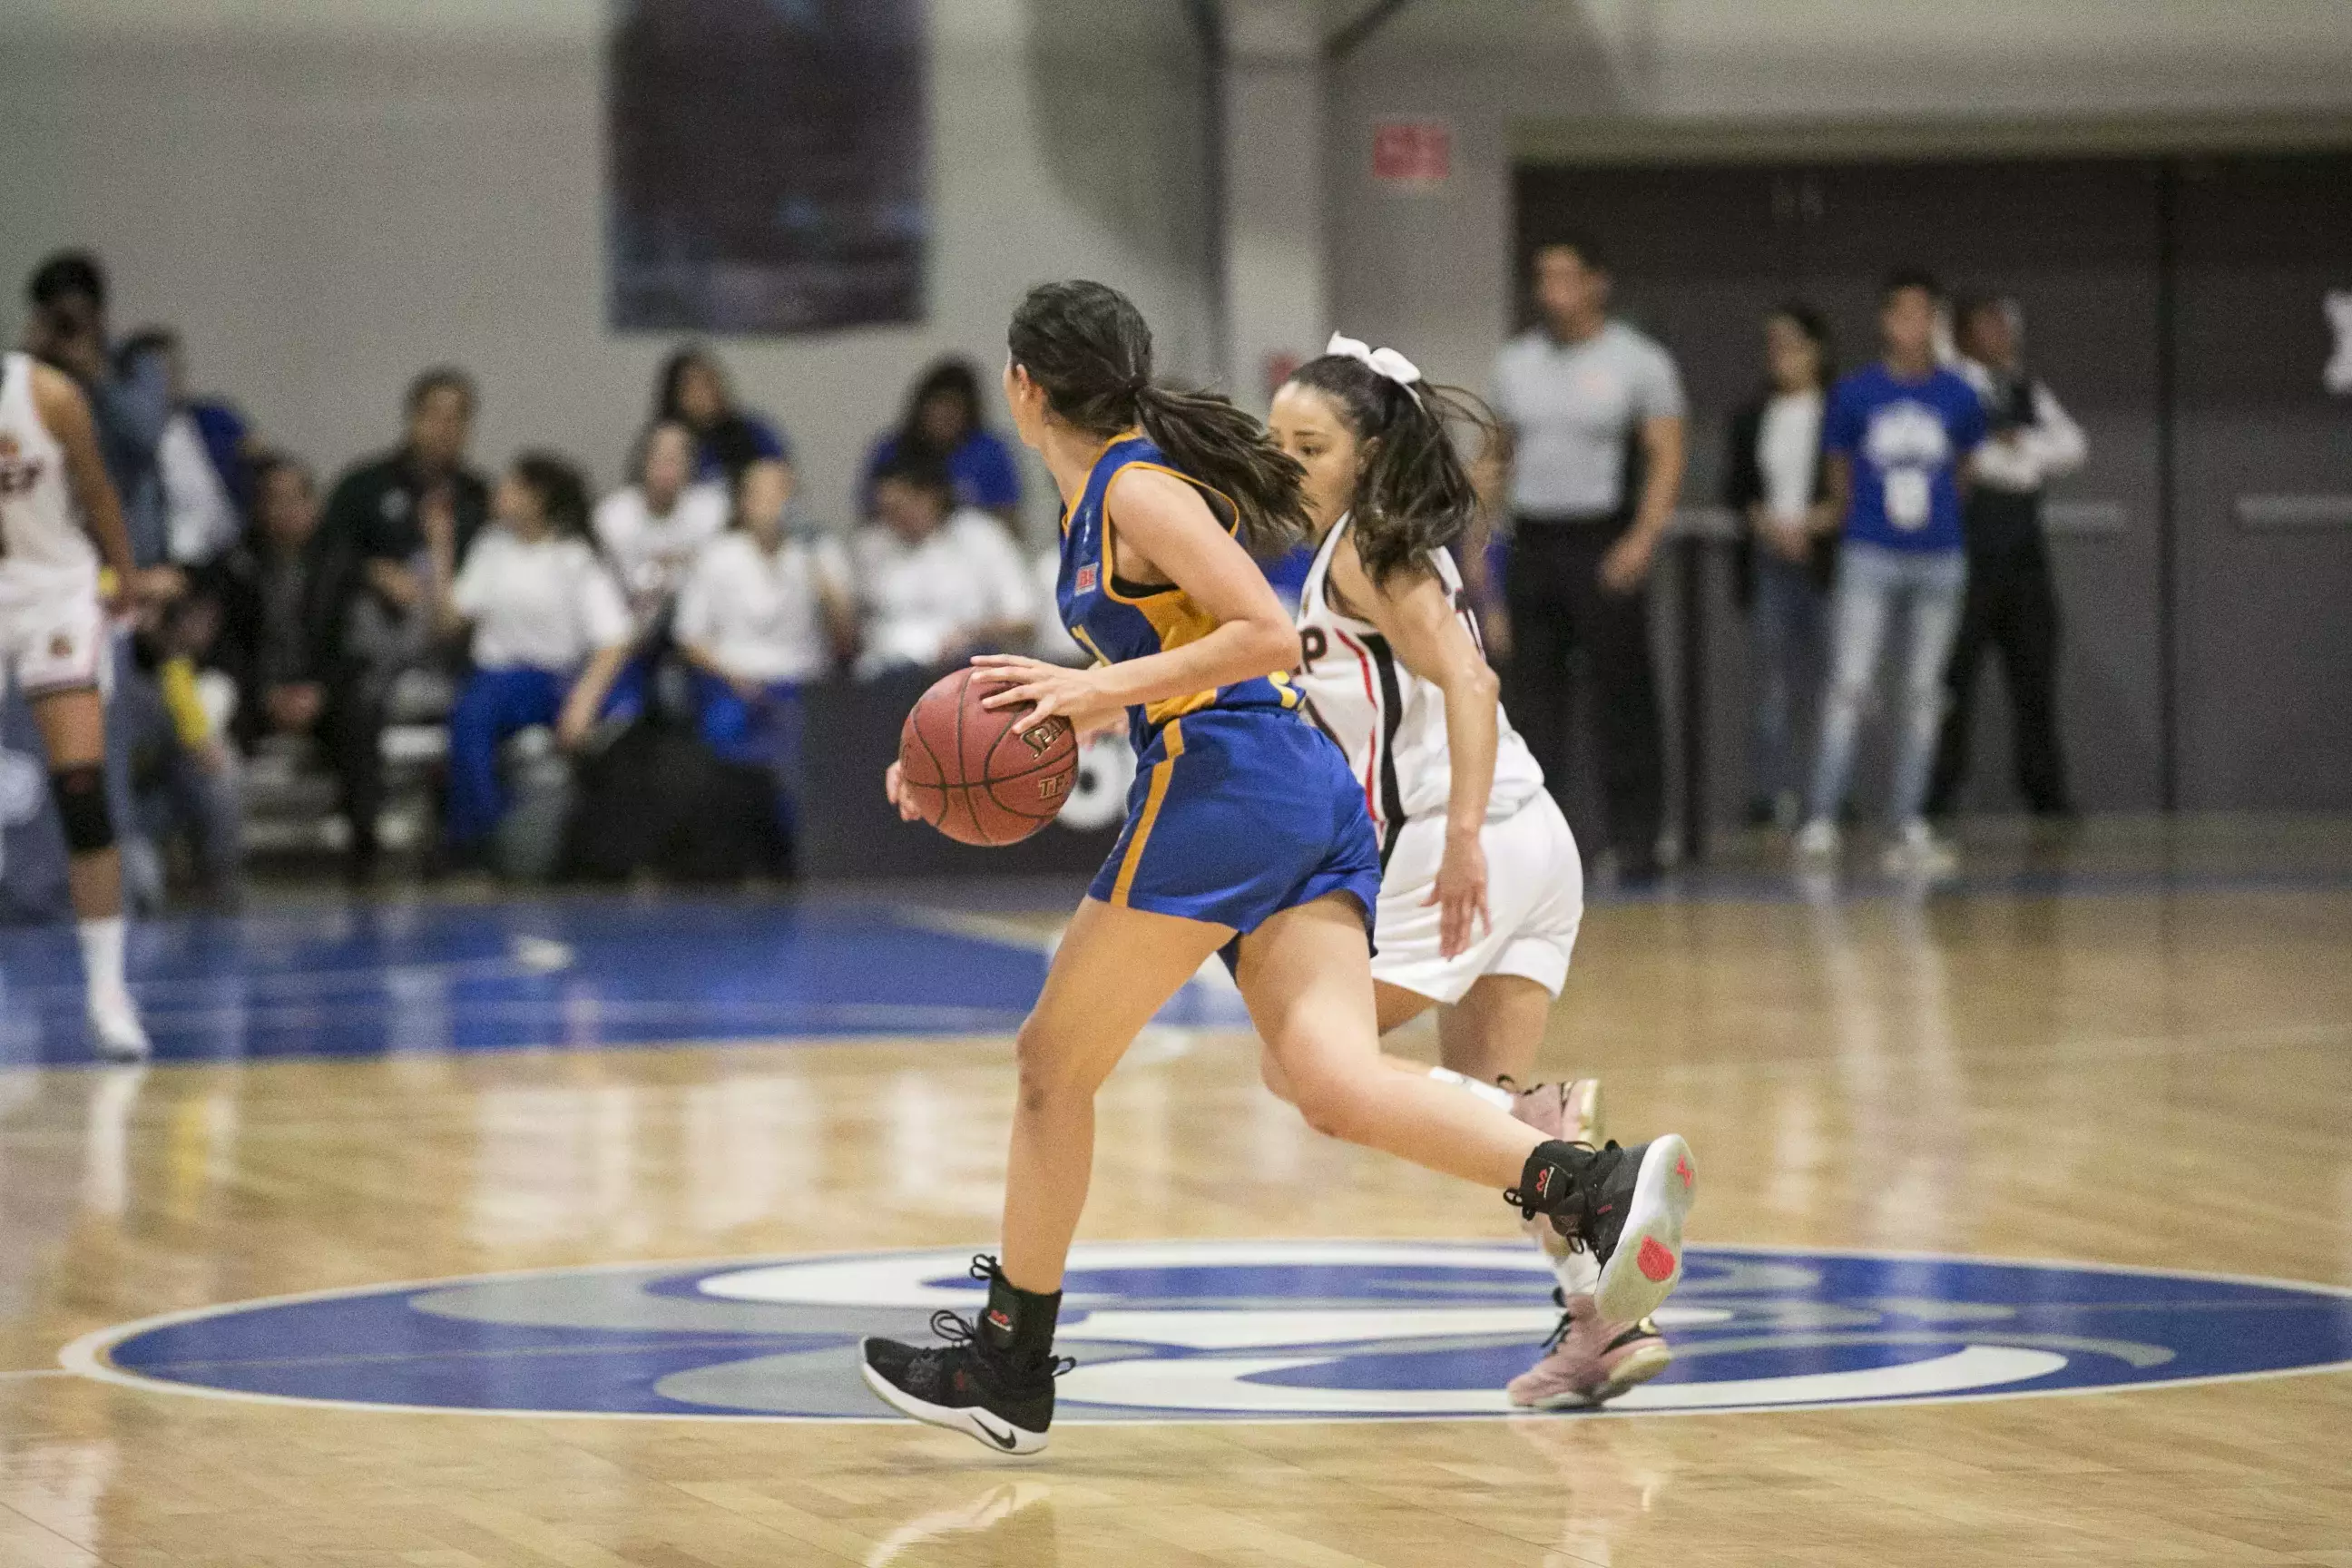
x=1593 y=410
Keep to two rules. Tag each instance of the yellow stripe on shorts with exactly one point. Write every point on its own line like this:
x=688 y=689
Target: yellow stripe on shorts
x=1160 y=770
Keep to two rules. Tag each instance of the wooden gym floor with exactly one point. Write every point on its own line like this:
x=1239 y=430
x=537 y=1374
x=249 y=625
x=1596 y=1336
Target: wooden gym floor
x=2133 y=1048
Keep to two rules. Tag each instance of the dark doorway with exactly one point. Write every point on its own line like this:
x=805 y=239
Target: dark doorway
x=2203 y=555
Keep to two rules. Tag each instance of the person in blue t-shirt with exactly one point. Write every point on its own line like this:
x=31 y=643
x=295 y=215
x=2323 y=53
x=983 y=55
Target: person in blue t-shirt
x=942 y=424
x=1896 y=439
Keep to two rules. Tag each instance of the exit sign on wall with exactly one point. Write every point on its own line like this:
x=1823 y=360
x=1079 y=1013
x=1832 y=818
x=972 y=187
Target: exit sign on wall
x=1417 y=153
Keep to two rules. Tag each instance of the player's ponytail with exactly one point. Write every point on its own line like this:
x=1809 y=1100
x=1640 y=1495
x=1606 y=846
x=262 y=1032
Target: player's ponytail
x=1089 y=348
x=1413 y=491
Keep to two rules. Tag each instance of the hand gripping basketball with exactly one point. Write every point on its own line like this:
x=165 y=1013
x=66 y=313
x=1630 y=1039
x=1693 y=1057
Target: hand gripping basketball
x=983 y=775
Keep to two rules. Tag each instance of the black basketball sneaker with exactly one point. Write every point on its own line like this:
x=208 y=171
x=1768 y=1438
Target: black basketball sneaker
x=1626 y=1206
x=992 y=1380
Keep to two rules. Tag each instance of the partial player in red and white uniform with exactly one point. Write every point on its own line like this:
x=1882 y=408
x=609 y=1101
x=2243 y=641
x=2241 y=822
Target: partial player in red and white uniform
x=1481 y=888
x=58 y=518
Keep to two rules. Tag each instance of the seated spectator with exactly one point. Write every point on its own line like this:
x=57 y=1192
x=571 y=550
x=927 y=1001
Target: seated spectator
x=186 y=780
x=693 y=392
x=550 y=635
x=202 y=458
x=654 y=528
x=399 y=522
x=761 y=612
x=278 y=597
x=936 y=583
x=942 y=424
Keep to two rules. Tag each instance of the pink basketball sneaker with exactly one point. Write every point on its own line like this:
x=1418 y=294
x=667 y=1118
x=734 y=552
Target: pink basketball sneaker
x=1589 y=1361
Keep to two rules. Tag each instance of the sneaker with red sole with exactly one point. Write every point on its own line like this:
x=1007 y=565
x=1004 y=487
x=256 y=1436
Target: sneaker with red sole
x=1625 y=1205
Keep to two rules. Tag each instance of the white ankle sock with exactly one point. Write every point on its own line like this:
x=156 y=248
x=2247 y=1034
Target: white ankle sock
x=102 y=954
x=1579 y=1275
x=1493 y=1094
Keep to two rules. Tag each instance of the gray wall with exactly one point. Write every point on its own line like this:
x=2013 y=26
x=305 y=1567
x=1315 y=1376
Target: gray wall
x=327 y=195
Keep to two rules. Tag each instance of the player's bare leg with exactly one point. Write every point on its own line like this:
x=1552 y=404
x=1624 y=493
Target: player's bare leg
x=1113 y=969
x=73 y=731
x=1488 y=1043
x=993 y=1379
x=1305 y=975
x=1495 y=1032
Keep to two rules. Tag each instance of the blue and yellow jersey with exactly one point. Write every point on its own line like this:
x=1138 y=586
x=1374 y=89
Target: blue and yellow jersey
x=1117 y=620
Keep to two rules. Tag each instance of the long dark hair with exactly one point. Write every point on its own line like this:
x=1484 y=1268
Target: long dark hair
x=1089 y=347
x=729 y=437
x=561 y=490
x=1414 y=492
x=950 y=378
x=1816 y=327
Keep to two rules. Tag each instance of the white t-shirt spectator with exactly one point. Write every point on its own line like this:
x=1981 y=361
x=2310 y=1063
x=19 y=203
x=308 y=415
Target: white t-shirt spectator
x=759 y=615
x=916 y=601
x=653 y=553
x=542 y=606
x=1789 y=452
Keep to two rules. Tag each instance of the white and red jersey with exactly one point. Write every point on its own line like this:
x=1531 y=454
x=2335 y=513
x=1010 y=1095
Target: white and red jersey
x=1391 y=721
x=43 y=550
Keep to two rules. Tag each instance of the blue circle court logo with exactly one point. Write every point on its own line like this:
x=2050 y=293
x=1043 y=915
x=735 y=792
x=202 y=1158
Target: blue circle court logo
x=1197 y=1330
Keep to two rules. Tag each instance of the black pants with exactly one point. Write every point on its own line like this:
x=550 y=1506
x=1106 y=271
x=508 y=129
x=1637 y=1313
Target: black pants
x=2012 y=608
x=1558 y=606
x=353 y=732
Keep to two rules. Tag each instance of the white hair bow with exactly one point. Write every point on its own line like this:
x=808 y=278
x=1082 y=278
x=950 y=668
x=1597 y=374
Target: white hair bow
x=1387 y=362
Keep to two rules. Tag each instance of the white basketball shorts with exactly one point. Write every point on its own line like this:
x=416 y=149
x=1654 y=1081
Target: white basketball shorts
x=1535 y=890
x=53 y=635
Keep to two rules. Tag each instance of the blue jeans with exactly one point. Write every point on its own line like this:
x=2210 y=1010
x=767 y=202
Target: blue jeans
x=495 y=704
x=1873 y=582
x=1786 y=626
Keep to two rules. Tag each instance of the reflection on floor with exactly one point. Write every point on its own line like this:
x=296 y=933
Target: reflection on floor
x=2135 y=1051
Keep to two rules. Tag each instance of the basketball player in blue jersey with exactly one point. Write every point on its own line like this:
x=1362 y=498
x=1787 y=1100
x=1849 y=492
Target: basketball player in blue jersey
x=1246 y=835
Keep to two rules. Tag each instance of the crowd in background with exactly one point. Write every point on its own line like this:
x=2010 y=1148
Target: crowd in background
x=518 y=618
x=513 y=613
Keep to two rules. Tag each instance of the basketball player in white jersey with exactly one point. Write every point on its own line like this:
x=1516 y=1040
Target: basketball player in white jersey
x=56 y=504
x=1481 y=886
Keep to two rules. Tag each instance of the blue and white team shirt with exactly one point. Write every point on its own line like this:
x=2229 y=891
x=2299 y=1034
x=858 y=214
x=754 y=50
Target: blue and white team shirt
x=1905 y=441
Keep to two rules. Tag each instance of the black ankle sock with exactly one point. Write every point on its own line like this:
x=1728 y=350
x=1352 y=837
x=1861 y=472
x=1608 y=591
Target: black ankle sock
x=1018 y=1324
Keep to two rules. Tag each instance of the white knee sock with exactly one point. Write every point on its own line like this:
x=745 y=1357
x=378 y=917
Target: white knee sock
x=102 y=954
x=1493 y=1094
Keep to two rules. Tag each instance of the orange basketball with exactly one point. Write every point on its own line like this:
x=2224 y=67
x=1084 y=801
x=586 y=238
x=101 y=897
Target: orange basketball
x=975 y=776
